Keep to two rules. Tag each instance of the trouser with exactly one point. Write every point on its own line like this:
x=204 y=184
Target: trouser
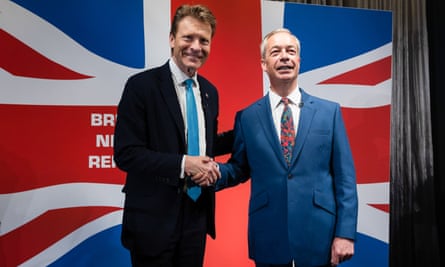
x=187 y=244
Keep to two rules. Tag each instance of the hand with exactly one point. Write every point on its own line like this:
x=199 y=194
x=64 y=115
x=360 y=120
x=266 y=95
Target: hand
x=207 y=178
x=342 y=250
x=202 y=170
x=204 y=179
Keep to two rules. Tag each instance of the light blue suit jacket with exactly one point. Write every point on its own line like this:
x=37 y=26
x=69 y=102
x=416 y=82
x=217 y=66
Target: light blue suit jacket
x=294 y=212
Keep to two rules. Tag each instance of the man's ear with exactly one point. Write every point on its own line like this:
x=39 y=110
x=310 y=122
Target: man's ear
x=263 y=65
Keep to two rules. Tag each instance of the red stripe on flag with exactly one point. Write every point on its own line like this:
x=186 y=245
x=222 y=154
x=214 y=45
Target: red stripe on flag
x=19 y=59
x=382 y=207
x=368 y=131
x=49 y=145
x=370 y=74
x=32 y=238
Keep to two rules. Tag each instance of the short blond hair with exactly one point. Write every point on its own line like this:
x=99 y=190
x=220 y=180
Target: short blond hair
x=199 y=12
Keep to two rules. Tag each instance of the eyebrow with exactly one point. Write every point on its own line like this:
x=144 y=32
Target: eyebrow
x=280 y=47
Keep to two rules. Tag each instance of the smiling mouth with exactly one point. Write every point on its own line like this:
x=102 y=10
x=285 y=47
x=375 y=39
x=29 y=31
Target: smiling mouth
x=194 y=58
x=285 y=68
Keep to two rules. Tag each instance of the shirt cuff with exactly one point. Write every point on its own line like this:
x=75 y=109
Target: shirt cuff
x=182 y=175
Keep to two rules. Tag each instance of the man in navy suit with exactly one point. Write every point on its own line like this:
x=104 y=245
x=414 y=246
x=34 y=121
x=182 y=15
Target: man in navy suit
x=303 y=203
x=162 y=225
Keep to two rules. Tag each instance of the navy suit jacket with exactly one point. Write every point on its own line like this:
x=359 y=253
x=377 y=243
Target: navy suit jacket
x=149 y=144
x=294 y=212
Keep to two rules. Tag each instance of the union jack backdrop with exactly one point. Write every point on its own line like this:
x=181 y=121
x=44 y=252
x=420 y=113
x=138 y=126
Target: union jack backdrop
x=63 y=68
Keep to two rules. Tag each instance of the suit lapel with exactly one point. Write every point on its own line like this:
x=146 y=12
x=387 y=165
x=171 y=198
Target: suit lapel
x=307 y=113
x=207 y=121
x=168 y=91
x=265 y=117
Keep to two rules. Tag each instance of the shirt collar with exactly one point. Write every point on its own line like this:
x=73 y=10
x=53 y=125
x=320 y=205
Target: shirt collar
x=178 y=75
x=294 y=97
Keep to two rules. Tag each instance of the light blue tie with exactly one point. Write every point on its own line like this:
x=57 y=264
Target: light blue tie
x=193 y=190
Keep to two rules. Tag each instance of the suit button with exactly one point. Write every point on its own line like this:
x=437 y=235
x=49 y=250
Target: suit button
x=289 y=176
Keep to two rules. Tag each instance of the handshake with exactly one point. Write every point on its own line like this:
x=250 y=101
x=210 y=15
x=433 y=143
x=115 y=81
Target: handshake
x=202 y=170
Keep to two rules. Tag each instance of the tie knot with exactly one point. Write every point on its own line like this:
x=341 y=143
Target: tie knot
x=285 y=101
x=189 y=83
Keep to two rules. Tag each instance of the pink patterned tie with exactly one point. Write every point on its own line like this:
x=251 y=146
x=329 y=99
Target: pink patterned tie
x=287 y=131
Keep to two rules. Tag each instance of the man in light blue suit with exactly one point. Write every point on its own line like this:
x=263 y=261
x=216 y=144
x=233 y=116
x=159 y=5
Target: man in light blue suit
x=302 y=212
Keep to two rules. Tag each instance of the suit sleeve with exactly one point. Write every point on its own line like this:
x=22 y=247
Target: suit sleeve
x=236 y=170
x=223 y=143
x=344 y=181
x=134 y=138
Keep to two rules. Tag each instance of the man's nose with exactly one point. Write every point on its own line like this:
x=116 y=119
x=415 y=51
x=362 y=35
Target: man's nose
x=284 y=56
x=195 y=45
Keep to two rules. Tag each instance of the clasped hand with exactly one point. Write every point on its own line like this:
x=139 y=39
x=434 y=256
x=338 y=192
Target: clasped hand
x=202 y=170
x=342 y=250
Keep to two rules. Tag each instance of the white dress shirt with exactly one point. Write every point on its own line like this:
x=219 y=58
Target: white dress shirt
x=179 y=78
x=277 y=109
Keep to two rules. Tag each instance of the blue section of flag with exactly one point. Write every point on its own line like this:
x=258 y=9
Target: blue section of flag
x=112 y=29
x=101 y=250
x=329 y=35
x=369 y=252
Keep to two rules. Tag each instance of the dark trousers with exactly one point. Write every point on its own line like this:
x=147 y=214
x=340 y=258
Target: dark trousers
x=186 y=245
